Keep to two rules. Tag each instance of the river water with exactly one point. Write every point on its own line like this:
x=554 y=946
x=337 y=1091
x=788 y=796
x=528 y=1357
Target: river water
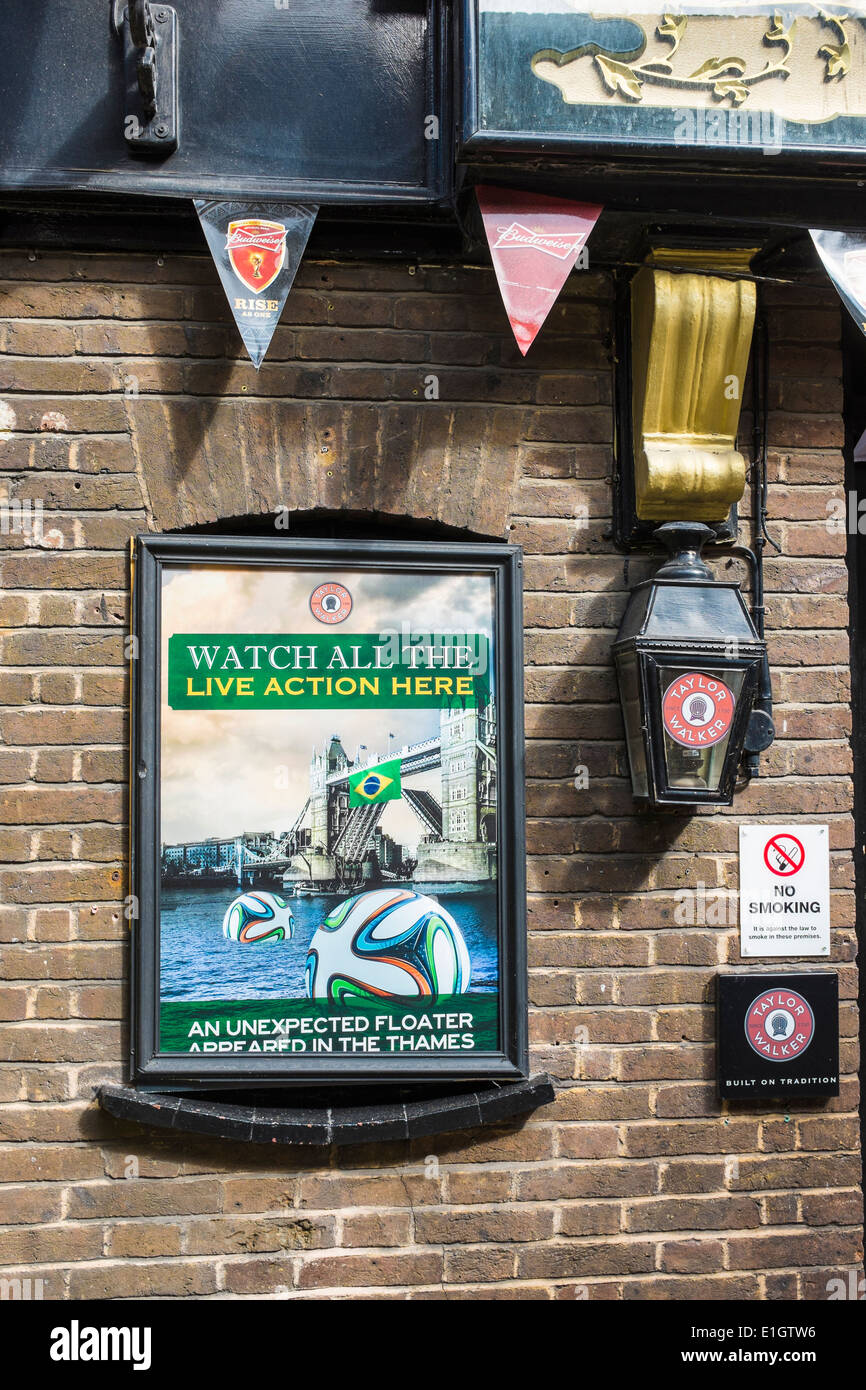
x=197 y=962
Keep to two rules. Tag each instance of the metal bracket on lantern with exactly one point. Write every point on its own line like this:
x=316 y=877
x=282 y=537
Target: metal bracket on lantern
x=149 y=34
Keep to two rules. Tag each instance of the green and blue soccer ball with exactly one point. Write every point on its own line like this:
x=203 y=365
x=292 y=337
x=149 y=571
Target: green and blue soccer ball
x=391 y=943
x=258 y=918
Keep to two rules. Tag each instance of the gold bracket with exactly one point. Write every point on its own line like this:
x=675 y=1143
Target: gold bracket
x=691 y=333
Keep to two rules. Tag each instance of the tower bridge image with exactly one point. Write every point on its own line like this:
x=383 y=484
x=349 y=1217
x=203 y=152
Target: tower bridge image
x=332 y=846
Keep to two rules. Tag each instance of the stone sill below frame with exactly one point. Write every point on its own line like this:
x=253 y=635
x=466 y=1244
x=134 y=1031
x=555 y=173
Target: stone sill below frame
x=341 y=1125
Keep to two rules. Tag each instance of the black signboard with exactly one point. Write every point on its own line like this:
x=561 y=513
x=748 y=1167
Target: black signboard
x=308 y=100
x=722 y=83
x=778 y=1035
x=328 y=812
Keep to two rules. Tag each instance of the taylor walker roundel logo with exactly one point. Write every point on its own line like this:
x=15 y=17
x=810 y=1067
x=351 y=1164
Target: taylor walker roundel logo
x=331 y=603
x=780 y=1025
x=697 y=710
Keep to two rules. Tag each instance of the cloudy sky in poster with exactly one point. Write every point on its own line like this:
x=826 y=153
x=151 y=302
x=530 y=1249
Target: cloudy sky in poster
x=224 y=772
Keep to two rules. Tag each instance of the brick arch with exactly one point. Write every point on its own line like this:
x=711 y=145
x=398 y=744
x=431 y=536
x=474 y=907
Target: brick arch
x=324 y=523
x=202 y=461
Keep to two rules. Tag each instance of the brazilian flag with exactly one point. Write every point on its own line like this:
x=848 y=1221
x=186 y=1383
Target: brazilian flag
x=380 y=783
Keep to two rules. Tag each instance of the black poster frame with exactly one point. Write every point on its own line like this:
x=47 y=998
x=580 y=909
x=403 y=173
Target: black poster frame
x=156 y=1070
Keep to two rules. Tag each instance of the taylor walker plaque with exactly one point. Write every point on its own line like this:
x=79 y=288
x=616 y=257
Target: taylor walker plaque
x=778 y=1035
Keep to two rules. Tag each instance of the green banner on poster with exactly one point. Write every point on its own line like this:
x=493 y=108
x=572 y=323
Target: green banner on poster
x=451 y=1023
x=311 y=671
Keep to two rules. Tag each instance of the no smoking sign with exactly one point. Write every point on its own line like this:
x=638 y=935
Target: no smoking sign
x=784 y=890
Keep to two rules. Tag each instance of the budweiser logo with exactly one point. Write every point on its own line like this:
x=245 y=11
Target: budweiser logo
x=516 y=235
x=244 y=236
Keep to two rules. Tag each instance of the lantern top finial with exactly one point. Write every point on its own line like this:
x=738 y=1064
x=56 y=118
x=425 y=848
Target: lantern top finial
x=684 y=541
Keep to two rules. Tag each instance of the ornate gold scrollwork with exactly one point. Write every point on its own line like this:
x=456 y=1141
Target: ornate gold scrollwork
x=724 y=77
x=730 y=77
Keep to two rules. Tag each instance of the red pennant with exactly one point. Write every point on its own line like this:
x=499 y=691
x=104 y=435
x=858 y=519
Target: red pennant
x=534 y=241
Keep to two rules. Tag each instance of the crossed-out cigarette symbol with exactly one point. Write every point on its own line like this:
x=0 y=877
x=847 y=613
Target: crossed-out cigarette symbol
x=784 y=855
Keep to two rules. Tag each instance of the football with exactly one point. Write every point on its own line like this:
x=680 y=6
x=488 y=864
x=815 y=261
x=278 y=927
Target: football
x=391 y=943
x=258 y=917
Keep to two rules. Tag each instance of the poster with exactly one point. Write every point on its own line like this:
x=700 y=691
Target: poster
x=329 y=861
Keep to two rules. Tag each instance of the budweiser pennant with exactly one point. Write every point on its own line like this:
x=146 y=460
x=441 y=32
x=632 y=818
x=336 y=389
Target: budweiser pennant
x=535 y=242
x=257 y=248
x=844 y=257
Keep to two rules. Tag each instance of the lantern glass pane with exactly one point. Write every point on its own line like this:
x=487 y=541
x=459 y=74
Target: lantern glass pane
x=629 y=689
x=697 y=716
x=714 y=610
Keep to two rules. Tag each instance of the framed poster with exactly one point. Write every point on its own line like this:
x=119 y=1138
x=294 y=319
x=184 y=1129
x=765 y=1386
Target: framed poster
x=328 y=822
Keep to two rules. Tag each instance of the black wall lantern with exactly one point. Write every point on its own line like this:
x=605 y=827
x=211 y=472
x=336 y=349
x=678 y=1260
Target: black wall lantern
x=688 y=660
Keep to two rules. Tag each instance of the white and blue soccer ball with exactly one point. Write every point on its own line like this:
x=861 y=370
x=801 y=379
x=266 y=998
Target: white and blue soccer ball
x=257 y=918
x=391 y=943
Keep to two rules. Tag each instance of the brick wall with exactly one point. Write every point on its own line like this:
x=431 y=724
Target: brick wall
x=124 y=405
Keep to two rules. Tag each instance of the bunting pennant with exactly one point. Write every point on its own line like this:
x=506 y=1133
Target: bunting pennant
x=257 y=248
x=844 y=257
x=534 y=241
